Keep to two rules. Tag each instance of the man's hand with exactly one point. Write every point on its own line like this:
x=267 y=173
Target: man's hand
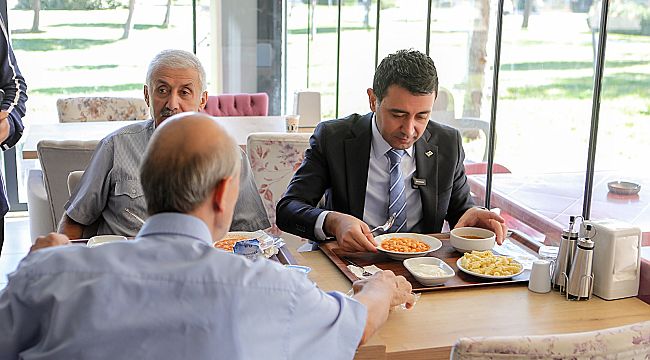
x=351 y=233
x=486 y=219
x=4 y=126
x=379 y=293
x=386 y=282
x=51 y=239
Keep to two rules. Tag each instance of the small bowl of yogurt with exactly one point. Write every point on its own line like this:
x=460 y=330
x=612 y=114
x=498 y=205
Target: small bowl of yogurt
x=429 y=270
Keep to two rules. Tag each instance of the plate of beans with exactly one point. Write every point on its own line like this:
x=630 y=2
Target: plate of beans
x=400 y=246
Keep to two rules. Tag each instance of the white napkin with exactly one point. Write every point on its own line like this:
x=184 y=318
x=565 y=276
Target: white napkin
x=358 y=272
x=508 y=248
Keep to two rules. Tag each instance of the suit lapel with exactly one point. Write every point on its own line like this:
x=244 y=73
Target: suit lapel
x=357 y=157
x=426 y=163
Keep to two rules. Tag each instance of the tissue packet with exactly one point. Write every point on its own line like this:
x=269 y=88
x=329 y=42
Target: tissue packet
x=248 y=248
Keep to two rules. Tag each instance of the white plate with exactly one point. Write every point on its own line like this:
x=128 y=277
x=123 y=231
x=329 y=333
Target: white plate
x=434 y=244
x=247 y=234
x=104 y=239
x=489 y=276
x=429 y=280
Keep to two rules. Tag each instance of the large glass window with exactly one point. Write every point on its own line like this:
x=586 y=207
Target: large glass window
x=89 y=48
x=624 y=116
x=358 y=25
x=543 y=117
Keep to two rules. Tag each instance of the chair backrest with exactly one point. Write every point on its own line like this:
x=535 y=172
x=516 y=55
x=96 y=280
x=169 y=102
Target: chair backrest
x=444 y=101
x=307 y=105
x=274 y=158
x=481 y=168
x=38 y=205
x=83 y=109
x=73 y=180
x=58 y=159
x=443 y=112
x=625 y=342
x=238 y=105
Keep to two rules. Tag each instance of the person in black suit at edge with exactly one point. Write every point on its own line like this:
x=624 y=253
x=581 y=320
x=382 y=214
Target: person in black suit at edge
x=393 y=160
x=13 y=94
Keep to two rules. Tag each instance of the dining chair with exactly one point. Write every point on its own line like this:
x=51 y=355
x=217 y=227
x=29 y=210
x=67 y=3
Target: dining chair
x=93 y=108
x=443 y=112
x=624 y=342
x=274 y=158
x=58 y=159
x=238 y=105
x=40 y=216
x=307 y=104
x=481 y=168
x=74 y=177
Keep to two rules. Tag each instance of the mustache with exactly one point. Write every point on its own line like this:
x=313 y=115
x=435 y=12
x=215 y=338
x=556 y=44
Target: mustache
x=167 y=112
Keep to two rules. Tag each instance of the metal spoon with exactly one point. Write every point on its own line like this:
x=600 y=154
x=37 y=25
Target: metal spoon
x=387 y=225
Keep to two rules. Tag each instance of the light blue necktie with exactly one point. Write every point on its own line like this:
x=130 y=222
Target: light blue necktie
x=396 y=191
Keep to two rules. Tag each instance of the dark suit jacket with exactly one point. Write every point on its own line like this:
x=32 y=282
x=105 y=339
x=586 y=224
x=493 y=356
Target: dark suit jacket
x=337 y=165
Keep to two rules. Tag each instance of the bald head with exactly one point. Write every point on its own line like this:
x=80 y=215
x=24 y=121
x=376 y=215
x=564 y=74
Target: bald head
x=186 y=158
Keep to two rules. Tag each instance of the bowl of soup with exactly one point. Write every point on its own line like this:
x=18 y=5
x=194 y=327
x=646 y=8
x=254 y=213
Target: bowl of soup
x=467 y=239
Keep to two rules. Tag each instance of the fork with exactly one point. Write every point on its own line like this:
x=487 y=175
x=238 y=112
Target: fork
x=365 y=273
x=134 y=215
x=387 y=225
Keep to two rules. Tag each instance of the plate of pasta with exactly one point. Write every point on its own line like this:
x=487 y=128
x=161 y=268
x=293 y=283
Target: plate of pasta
x=485 y=264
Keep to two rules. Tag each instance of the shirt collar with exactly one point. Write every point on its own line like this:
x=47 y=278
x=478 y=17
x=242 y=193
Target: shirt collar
x=177 y=224
x=379 y=145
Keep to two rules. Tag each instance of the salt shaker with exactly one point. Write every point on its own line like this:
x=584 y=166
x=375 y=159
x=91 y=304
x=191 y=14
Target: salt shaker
x=581 y=277
x=564 y=257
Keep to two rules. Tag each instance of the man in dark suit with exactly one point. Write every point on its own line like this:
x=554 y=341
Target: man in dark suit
x=390 y=161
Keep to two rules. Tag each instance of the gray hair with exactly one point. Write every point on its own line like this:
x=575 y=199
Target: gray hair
x=176 y=59
x=179 y=180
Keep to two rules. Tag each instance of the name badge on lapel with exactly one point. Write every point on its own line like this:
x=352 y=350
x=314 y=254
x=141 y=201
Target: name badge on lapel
x=416 y=183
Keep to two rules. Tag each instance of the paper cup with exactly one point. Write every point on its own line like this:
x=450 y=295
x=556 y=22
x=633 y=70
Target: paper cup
x=292 y=122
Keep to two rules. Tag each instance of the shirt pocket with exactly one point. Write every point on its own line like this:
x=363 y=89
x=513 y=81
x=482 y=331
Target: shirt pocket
x=130 y=188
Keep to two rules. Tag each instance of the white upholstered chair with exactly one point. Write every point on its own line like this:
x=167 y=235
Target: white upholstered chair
x=40 y=216
x=307 y=104
x=58 y=159
x=73 y=180
x=274 y=158
x=621 y=343
x=101 y=108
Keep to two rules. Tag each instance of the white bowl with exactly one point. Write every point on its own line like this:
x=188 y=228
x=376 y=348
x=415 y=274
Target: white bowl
x=409 y=264
x=104 y=239
x=463 y=244
x=434 y=244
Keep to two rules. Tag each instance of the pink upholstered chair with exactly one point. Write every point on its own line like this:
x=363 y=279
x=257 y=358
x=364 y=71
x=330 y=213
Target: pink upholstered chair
x=481 y=168
x=238 y=105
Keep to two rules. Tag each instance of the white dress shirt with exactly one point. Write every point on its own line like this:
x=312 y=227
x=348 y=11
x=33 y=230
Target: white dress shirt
x=375 y=209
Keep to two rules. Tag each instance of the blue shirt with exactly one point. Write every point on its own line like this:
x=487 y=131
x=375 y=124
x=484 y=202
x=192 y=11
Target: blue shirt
x=170 y=295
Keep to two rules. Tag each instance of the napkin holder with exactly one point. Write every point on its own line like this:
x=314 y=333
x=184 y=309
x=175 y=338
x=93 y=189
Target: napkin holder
x=617 y=259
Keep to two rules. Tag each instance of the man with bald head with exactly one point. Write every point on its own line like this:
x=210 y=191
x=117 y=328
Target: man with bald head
x=169 y=294
x=175 y=83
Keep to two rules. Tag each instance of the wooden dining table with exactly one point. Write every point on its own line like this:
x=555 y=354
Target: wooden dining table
x=439 y=318
x=239 y=127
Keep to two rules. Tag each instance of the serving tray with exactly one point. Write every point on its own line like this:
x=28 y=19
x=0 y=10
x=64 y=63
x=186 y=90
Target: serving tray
x=446 y=253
